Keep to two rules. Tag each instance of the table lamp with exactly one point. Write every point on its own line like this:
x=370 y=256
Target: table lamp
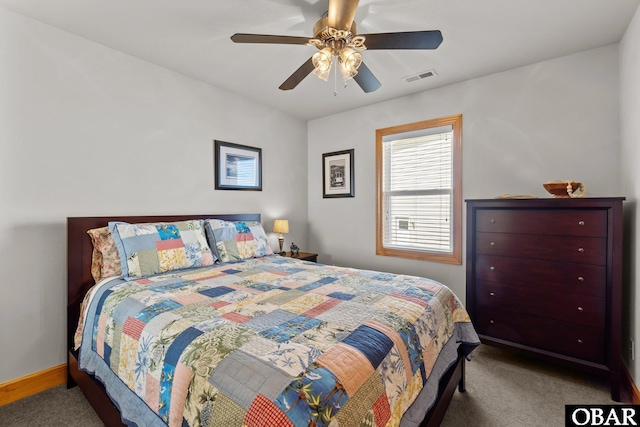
x=281 y=226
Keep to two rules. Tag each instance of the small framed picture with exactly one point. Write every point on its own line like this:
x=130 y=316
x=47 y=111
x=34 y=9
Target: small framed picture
x=337 y=174
x=237 y=167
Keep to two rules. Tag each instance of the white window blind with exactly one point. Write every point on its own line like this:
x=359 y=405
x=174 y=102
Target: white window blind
x=417 y=190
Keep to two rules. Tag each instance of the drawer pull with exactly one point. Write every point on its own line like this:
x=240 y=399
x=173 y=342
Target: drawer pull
x=580 y=250
x=491 y=294
x=580 y=279
x=579 y=341
x=491 y=321
x=580 y=223
x=493 y=221
x=492 y=268
x=580 y=309
x=492 y=243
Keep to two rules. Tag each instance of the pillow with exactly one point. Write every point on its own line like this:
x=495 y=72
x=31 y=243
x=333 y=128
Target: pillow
x=147 y=249
x=237 y=240
x=105 y=261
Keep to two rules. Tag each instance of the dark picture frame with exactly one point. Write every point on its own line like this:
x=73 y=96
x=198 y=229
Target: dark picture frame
x=338 y=174
x=237 y=167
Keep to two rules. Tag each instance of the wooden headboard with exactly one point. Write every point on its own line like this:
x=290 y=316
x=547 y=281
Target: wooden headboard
x=80 y=249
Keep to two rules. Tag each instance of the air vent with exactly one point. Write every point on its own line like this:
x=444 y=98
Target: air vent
x=421 y=75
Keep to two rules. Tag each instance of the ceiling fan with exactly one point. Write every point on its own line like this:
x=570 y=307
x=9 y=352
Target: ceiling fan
x=336 y=37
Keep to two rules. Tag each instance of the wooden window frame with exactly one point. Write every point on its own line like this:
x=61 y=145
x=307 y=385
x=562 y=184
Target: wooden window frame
x=455 y=257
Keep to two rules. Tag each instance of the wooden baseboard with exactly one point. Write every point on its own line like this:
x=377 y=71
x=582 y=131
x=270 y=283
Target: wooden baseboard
x=629 y=386
x=33 y=383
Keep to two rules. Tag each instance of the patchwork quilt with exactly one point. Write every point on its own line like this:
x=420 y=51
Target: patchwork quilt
x=270 y=341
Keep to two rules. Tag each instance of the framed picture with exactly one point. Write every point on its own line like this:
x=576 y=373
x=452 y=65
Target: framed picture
x=238 y=167
x=337 y=174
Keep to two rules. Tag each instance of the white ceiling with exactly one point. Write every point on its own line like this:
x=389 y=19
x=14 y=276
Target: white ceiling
x=193 y=37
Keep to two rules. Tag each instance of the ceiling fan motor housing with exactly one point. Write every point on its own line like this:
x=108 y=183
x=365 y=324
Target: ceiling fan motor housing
x=326 y=36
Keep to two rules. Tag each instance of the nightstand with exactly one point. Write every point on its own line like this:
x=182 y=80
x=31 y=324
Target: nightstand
x=305 y=256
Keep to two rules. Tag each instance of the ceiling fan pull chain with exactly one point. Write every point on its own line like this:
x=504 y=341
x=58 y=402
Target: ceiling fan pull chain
x=335 y=77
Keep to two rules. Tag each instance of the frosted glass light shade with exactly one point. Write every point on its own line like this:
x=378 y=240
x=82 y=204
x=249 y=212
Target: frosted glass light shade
x=350 y=60
x=322 y=63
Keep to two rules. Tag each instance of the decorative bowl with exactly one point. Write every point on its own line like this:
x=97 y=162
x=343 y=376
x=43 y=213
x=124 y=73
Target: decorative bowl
x=564 y=189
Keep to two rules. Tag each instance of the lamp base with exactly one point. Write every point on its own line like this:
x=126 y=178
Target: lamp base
x=281 y=242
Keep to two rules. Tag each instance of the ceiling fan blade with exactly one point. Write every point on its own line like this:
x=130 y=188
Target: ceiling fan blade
x=366 y=80
x=265 y=38
x=298 y=75
x=341 y=13
x=406 y=40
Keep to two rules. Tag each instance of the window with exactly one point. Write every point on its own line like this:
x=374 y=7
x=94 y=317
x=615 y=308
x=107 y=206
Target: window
x=419 y=190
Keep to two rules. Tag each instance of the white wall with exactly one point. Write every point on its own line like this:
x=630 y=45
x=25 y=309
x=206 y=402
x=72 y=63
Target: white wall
x=86 y=130
x=552 y=120
x=629 y=157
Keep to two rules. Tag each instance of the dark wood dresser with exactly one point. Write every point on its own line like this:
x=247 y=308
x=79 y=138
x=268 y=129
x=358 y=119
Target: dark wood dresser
x=544 y=277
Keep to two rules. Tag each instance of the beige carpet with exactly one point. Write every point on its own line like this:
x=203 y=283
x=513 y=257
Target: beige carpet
x=506 y=389
x=503 y=389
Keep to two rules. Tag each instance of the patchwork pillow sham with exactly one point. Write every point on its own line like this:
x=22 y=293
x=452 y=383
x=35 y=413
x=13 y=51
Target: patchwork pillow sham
x=147 y=249
x=237 y=240
x=105 y=260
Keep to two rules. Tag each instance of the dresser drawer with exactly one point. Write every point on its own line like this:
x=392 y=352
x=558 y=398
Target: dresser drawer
x=585 y=279
x=583 y=309
x=585 y=250
x=565 y=338
x=567 y=222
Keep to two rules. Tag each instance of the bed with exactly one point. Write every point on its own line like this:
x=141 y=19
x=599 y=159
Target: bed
x=263 y=340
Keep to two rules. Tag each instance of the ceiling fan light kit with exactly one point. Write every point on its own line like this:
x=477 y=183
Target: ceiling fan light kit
x=336 y=36
x=333 y=43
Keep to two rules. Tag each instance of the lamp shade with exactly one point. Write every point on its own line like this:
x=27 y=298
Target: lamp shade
x=281 y=226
